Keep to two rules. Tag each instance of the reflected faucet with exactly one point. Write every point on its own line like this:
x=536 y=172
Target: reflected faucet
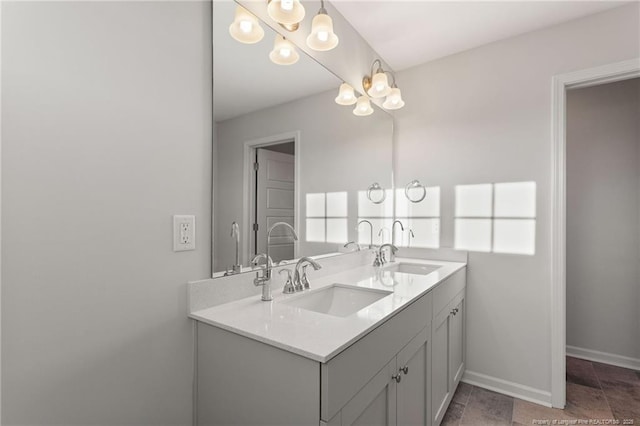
x=381 y=234
x=380 y=259
x=358 y=248
x=371 y=231
x=235 y=233
x=265 y=279
x=301 y=282
x=258 y=257
x=411 y=235
x=393 y=233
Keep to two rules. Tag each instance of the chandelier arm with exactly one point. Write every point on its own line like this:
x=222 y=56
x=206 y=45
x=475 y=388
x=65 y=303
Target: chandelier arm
x=393 y=78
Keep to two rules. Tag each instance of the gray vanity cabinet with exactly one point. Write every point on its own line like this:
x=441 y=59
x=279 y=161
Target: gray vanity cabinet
x=403 y=372
x=414 y=363
x=397 y=394
x=448 y=341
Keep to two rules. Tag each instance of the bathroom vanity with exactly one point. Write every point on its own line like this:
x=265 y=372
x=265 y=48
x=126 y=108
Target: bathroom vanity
x=366 y=345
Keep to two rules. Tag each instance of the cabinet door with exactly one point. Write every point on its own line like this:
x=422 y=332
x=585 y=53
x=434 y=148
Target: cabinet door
x=413 y=403
x=456 y=343
x=375 y=403
x=440 y=383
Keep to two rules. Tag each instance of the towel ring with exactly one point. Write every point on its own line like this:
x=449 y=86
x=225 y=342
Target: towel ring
x=414 y=184
x=376 y=187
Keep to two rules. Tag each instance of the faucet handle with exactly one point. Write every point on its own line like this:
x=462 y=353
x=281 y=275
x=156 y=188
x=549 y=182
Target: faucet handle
x=288 y=286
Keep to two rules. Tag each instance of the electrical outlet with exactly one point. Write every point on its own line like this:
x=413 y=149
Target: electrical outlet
x=184 y=232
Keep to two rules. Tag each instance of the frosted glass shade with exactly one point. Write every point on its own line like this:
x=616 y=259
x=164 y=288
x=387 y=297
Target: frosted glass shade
x=346 y=95
x=379 y=85
x=363 y=107
x=286 y=12
x=322 y=37
x=394 y=100
x=284 y=52
x=245 y=27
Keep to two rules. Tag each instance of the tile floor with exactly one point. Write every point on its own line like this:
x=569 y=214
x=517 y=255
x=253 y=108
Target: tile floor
x=594 y=391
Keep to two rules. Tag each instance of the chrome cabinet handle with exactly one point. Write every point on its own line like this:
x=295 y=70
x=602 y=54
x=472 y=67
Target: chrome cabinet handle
x=454 y=311
x=405 y=369
x=397 y=378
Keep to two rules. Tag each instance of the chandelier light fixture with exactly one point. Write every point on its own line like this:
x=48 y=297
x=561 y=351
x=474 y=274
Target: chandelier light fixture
x=284 y=52
x=322 y=37
x=245 y=27
x=376 y=85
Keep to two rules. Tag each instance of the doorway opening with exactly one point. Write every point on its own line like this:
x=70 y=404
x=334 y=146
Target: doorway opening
x=560 y=85
x=274 y=199
x=271 y=193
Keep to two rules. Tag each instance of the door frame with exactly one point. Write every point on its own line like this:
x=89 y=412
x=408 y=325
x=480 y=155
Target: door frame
x=560 y=84
x=248 y=186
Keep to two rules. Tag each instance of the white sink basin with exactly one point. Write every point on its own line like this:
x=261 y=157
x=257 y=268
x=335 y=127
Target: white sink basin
x=411 y=268
x=337 y=299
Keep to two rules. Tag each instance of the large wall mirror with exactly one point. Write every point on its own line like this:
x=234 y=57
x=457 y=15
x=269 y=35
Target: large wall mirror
x=284 y=151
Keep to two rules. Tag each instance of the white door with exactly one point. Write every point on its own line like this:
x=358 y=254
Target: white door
x=274 y=202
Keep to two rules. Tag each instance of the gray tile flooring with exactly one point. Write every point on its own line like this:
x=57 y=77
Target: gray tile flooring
x=594 y=391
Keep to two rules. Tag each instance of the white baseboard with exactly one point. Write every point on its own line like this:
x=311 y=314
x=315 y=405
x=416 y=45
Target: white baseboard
x=537 y=396
x=603 y=357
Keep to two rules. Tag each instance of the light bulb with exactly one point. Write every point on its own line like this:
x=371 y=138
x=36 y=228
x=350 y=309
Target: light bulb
x=286 y=5
x=284 y=52
x=245 y=27
x=346 y=96
x=286 y=12
x=322 y=37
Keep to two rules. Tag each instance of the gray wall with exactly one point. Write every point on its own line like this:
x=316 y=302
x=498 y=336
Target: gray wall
x=603 y=218
x=338 y=152
x=484 y=116
x=106 y=133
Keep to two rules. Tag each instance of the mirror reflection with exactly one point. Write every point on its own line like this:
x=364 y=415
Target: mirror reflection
x=285 y=151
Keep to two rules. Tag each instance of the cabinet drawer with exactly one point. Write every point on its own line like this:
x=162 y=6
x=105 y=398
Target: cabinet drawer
x=447 y=290
x=343 y=376
x=444 y=312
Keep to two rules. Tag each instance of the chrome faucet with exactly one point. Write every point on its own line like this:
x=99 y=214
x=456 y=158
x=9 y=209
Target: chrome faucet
x=358 y=248
x=258 y=257
x=381 y=234
x=393 y=233
x=411 y=235
x=302 y=282
x=380 y=259
x=371 y=231
x=235 y=233
x=265 y=279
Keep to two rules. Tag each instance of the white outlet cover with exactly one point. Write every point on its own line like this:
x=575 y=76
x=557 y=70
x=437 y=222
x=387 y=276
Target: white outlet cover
x=184 y=232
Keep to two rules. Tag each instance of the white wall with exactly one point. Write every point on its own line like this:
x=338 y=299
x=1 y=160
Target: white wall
x=338 y=152
x=603 y=218
x=106 y=133
x=484 y=116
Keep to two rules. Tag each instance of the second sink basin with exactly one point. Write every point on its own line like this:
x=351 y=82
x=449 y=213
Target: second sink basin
x=412 y=268
x=337 y=299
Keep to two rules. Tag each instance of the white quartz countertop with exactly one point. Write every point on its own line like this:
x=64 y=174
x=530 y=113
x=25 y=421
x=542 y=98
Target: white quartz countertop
x=318 y=336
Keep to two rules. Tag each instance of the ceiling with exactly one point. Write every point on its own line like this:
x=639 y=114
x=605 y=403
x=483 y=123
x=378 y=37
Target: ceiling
x=409 y=33
x=404 y=33
x=244 y=78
